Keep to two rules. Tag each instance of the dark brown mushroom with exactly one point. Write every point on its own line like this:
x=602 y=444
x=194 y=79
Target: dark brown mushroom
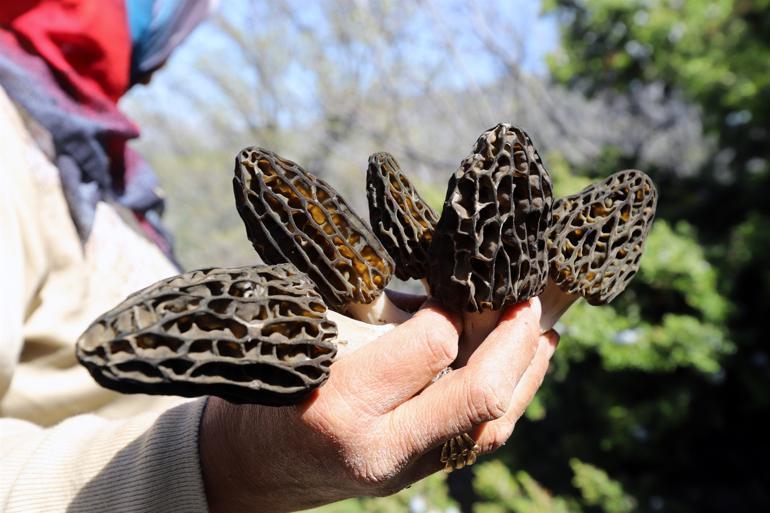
x=292 y=216
x=400 y=218
x=249 y=334
x=596 y=241
x=489 y=247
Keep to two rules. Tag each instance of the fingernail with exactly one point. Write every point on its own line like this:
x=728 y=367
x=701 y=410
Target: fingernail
x=553 y=338
x=534 y=304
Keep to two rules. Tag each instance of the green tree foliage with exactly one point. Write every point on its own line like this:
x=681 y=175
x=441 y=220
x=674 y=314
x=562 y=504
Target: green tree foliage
x=599 y=490
x=624 y=391
x=427 y=496
x=681 y=424
x=501 y=491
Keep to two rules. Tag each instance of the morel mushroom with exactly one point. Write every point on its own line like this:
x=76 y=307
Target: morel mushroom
x=489 y=246
x=293 y=216
x=251 y=334
x=400 y=218
x=596 y=241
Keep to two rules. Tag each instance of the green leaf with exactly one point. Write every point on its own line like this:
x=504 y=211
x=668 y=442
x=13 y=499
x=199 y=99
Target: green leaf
x=598 y=489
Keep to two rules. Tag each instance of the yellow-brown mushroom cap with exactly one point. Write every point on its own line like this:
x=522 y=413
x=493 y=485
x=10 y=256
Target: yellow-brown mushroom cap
x=597 y=235
x=399 y=217
x=292 y=216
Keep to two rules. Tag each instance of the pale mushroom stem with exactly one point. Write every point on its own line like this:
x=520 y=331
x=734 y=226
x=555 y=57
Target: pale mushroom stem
x=380 y=311
x=352 y=334
x=476 y=325
x=554 y=302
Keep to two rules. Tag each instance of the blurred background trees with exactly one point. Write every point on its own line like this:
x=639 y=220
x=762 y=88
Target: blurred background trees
x=658 y=402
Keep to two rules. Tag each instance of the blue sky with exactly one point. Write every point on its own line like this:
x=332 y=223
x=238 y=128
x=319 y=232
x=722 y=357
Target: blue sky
x=539 y=34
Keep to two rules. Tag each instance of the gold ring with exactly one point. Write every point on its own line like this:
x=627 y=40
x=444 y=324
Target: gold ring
x=458 y=452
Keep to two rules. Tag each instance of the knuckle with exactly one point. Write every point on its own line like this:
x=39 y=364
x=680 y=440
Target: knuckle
x=373 y=470
x=373 y=481
x=442 y=348
x=486 y=401
x=440 y=337
x=368 y=484
x=361 y=471
x=495 y=436
x=364 y=477
x=438 y=322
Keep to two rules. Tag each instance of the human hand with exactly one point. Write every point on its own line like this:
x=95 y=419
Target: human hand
x=374 y=427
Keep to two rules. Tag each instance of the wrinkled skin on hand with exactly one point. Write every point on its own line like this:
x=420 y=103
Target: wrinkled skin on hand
x=374 y=427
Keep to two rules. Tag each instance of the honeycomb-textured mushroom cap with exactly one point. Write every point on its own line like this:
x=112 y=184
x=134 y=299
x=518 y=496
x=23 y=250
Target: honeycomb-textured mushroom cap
x=597 y=235
x=250 y=334
x=489 y=246
x=293 y=216
x=400 y=218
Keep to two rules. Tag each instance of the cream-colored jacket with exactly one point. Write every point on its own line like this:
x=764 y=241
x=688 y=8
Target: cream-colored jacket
x=65 y=443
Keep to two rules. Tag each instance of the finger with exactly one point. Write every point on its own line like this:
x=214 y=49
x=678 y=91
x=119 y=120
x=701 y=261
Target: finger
x=511 y=344
x=405 y=301
x=400 y=363
x=512 y=313
x=430 y=462
x=477 y=393
x=492 y=435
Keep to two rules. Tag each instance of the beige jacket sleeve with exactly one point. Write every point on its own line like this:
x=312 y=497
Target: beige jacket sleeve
x=147 y=463
x=66 y=444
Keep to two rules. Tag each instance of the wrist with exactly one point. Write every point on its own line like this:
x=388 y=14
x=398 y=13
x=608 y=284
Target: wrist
x=220 y=468
x=259 y=458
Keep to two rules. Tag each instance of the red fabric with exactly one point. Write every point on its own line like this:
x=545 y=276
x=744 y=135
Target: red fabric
x=87 y=42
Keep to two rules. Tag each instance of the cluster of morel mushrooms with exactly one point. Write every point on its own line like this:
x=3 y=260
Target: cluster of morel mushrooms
x=268 y=334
